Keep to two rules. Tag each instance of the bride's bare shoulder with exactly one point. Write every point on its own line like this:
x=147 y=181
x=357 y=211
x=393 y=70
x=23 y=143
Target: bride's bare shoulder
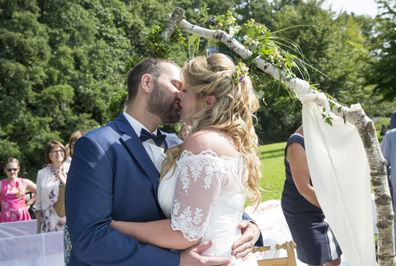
x=212 y=139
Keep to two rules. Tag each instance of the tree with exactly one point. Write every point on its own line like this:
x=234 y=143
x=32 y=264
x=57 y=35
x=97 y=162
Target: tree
x=335 y=46
x=60 y=63
x=24 y=53
x=64 y=63
x=382 y=72
x=64 y=66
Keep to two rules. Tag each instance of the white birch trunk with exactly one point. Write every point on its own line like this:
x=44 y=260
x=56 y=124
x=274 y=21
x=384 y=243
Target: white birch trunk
x=379 y=180
x=174 y=20
x=357 y=117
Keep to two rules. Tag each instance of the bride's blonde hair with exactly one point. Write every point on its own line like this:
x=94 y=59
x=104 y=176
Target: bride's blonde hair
x=233 y=112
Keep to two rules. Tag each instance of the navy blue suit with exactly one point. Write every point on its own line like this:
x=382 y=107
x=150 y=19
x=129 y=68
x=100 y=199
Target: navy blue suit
x=112 y=177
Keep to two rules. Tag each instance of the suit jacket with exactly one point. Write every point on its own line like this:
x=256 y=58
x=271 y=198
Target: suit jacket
x=112 y=176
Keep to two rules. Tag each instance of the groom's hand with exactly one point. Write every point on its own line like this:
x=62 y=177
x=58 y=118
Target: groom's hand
x=245 y=243
x=192 y=256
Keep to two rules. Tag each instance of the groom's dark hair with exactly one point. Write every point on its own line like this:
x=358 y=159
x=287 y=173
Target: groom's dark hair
x=152 y=66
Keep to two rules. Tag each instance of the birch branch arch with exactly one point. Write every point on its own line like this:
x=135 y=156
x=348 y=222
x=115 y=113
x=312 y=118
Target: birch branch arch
x=354 y=115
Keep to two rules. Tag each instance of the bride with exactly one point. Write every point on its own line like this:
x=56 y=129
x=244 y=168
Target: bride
x=206 y=180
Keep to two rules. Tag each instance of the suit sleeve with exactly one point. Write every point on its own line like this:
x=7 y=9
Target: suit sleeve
x=88 y=203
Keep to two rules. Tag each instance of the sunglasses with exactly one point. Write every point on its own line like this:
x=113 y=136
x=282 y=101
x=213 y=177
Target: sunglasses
x=12 y=169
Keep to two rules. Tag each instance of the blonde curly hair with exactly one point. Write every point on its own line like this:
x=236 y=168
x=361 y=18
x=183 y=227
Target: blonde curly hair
x=233 y=112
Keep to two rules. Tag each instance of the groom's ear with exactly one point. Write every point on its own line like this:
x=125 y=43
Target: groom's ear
x=210 y=102
x=147 y=83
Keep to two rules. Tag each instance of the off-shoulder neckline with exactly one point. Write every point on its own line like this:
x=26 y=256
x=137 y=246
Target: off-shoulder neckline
x=209 y=153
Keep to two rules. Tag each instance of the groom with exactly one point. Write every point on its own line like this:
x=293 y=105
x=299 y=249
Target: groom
x=114 y=175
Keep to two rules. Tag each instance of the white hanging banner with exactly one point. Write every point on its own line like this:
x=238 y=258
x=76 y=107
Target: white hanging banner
x=340 y=175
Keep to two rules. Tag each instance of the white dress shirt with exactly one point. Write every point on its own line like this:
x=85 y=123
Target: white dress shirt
x=156 y=153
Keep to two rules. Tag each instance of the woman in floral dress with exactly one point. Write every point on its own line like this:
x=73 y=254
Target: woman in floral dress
x=12 y=194
x=48 y=182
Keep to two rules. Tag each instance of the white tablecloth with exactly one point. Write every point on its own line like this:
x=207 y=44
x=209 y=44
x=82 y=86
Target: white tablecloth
x=20 y=245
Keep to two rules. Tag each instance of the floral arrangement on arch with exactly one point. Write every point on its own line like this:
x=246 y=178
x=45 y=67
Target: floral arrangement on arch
x=254 y=36
x=265 y=44
x=259 y=40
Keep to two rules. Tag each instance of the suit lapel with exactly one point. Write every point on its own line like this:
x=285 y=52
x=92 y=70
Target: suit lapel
x=137 y=150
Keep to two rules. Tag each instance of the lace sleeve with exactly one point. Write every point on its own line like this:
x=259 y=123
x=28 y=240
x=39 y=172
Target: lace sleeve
x=198 y=186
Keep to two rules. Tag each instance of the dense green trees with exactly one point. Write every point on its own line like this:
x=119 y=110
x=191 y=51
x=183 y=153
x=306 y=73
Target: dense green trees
x=336 y=50
x=383 y=71
x=63 y=63
x=60 y=62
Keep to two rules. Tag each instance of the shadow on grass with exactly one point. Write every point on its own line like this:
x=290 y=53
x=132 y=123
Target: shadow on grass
x=271 y=154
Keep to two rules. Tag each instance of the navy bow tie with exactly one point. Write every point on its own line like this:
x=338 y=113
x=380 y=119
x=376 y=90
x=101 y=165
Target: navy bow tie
x=158 y=139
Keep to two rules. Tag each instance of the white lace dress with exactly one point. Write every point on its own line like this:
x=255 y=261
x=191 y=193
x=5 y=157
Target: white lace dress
x=205 y=198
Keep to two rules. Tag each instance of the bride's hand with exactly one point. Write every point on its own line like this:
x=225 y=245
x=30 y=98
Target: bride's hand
x=113 y=224
x=192 y=256
x=245 y=243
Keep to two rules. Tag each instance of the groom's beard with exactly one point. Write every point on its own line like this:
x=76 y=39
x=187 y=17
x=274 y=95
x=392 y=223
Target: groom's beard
x=163 y=106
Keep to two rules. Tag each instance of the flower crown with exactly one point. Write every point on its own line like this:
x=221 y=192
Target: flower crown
x=241 y=70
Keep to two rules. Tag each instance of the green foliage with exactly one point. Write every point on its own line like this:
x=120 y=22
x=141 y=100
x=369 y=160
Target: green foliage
x=274 y=49
x=60 y=61
x=335 y=46
x=255 y=37
x=261 y=10
x=382 y=71
x=157 y=46
x=63 y=64
x=263 y=44
x=116 y=104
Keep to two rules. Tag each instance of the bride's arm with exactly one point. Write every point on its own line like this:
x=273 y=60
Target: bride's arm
x=158 y=233
x=193 y=200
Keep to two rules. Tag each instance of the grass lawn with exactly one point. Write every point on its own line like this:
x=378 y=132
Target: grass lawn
x=273 y=170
